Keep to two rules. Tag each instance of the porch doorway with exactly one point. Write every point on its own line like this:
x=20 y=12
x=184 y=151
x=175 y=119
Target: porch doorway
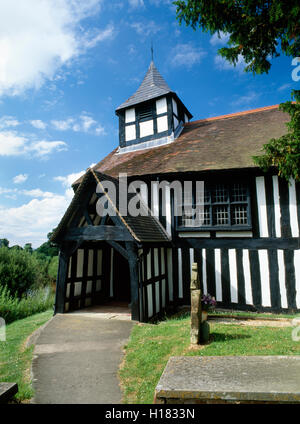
x=120 y=287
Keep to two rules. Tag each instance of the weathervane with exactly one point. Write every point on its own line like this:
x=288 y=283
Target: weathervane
x=152 y=50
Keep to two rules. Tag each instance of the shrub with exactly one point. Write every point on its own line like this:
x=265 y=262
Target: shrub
x=12 y=308
x=53 y=268
x=20 y=271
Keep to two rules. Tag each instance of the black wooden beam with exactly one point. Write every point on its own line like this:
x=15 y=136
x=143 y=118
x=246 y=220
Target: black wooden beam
x=65 y=253
x=87 y=217
x=134 y=279
x=119 y=248
x=105 y=232
x=239 y=243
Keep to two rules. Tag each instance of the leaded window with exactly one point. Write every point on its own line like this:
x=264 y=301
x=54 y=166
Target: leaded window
x=224 y=206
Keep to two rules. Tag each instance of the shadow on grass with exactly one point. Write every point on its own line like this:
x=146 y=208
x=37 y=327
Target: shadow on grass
x=221 y=337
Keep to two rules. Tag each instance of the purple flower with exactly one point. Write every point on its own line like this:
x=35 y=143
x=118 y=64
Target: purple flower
x=208 y=302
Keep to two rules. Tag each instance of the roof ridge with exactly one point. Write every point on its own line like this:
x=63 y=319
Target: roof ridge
x=231 y=115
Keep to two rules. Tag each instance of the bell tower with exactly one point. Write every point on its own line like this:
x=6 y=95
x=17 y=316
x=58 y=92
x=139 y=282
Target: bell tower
x=154 y=115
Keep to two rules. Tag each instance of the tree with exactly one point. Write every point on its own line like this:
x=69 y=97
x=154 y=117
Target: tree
x=48 y=248
x=258 y=31
x=4 y=242
x=28 y=248
x=19 y=271
x=16 y=247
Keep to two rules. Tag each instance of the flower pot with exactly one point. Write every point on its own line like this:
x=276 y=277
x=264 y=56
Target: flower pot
x=204 y=316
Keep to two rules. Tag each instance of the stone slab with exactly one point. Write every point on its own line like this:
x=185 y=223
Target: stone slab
x=7 y=391
x=230 y=379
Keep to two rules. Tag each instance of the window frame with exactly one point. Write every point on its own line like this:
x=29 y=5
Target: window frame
x=229 y=184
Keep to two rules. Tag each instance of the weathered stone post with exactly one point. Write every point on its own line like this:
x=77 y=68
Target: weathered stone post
x=195 y=305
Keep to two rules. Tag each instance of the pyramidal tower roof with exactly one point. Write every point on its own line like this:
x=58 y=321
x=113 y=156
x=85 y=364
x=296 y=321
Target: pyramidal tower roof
x=153 y=86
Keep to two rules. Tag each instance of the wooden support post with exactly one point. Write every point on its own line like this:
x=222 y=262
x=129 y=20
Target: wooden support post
x=134 y=279
x=195 y=305
x=60 y=285
x=64 y=254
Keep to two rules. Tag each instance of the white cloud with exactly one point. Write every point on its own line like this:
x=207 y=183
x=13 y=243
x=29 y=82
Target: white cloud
x=21 y=178
x=145 y=29
x=12 y=144
x=92 y=39
x=45 y=148
x=246 y=100
x=136 y=3
x=7 y=190
x=219 y=39
x=84 y=123
x=37 y=123
x=32 y=221
x=8 y=121
x=63 y=125
x=186 y=55
x=223 y=64
x=38 y=193
x=284 y=87
x=38 y=37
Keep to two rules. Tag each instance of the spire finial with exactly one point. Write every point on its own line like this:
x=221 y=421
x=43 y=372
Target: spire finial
x=151 y=50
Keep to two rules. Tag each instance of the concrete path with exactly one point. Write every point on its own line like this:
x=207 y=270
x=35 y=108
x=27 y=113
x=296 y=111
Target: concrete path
x=77 y=357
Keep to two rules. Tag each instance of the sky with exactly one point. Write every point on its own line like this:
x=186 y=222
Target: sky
x=66 y=65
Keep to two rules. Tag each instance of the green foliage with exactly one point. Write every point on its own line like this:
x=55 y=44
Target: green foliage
x=284 y=152
x=53 y=268
x=15 y=359
x=28 y=247
x=4 y=242
x=16 y=247
x=150 y=347
x=12 y=308
x=19 y=271
x=48 y=248
x=258 y=31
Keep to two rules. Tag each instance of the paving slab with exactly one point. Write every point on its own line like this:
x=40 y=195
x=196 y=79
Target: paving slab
x=76 y=360
x=230 y=379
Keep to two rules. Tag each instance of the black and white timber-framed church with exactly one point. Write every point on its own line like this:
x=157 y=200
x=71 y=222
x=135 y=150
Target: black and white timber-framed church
x=246 y=241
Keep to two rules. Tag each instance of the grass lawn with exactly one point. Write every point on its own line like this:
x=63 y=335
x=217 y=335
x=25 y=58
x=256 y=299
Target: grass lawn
x=150 y=347
x=15 y=360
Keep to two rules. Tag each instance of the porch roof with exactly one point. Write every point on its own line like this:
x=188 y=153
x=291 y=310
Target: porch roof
x=142 y=228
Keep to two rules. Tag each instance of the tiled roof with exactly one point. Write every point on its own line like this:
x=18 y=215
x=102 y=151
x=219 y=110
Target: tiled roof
x=152 y=86
x=219 y=143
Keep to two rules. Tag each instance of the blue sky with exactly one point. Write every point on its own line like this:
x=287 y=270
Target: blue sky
x=66 y=65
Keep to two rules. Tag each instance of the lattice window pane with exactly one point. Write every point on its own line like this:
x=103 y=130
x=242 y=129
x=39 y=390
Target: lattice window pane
x=220 y=194
x=206 y=195
x=239 y=215
x=187 y=217
x=202 y=217
x=239 y=193
x=221 y=215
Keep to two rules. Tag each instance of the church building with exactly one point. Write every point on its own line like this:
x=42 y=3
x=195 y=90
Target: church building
x=244 y=233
